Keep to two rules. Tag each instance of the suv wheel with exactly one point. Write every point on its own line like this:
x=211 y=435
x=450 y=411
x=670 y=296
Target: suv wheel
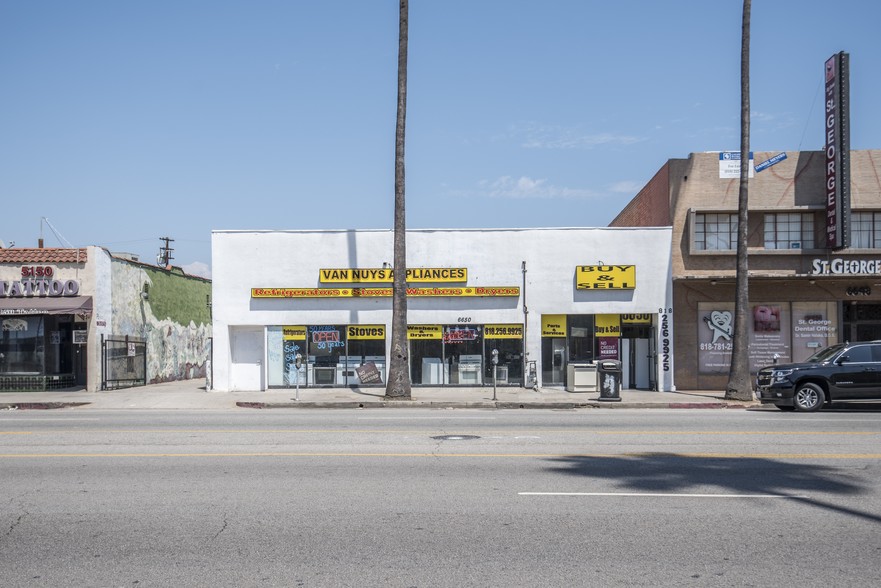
x=808 y=397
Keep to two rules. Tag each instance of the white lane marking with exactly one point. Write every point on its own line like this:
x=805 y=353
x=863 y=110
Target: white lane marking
x=660 y=495
x=54 y=419
x=426 y=418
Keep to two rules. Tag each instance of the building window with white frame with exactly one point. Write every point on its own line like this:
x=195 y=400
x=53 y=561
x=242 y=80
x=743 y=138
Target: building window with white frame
x=865 y=230
x=789 y=230
x=715 y=231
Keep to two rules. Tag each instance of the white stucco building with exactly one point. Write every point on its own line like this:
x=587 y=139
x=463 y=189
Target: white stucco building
x=547 y=300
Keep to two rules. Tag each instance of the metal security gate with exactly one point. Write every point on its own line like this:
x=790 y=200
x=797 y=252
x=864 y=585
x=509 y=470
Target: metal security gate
x=123 y=362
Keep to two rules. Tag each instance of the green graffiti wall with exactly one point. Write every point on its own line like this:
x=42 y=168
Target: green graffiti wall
x=169 y=310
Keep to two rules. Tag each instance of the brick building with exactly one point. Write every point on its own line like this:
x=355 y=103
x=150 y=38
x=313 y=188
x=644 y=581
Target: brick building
x=803 y=295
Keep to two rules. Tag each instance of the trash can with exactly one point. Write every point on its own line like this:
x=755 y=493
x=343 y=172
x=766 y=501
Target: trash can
x=609 y=376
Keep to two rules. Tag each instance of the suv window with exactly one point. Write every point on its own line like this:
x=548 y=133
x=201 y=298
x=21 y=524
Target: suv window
x=859 y=354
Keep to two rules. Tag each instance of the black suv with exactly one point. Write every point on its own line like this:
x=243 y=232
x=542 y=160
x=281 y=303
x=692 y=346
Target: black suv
x=847 y=371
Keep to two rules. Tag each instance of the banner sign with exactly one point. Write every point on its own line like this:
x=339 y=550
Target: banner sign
x=608 y=325
x=387 y=275
x=417 y=332
x=553 y=325
x=636 y=319
x=452 y=292
x=729 y=165
x=769 y=162
x=294 y=333
x=513 y=331
x=605 y=277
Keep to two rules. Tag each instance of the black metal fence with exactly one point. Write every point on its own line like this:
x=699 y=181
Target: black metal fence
x=123 y=362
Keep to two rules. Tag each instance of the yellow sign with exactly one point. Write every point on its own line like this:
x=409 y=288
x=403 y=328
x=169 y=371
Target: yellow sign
x=605 y=277
x=384 y=275
x=608 y=325
x=297 y=333
x=513 y=331
x=416 y=332
x=636 y=319
x=433 y=292
x=365 y=332
x=553 y=325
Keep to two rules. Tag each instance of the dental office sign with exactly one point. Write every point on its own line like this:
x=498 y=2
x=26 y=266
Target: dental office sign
x=729 y=165
x=837 y=133
x=845 y=267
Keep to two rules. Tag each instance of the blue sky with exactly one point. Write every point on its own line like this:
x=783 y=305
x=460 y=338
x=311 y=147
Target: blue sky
x=125 y=121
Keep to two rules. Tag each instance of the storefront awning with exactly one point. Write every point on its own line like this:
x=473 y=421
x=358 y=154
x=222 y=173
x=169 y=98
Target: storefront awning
x=61 y=305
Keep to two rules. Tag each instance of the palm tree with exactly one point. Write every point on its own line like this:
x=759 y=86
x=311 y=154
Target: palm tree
x=739 y=382
x=398 y=385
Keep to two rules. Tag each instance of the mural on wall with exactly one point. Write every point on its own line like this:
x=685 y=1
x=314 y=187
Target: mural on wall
x=169 y=311
x=781 y=332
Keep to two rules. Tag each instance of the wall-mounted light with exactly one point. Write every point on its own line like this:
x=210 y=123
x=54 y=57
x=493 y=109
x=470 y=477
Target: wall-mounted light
x=712 y=282
x=812 y=282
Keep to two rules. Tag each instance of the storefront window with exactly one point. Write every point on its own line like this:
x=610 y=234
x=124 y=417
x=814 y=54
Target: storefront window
x=365 y=356
x=326 y=344
x=22 y=347
x=508 y=340
x=36 y=345
x=463 y=350
x=581 y=338
x=427 y=355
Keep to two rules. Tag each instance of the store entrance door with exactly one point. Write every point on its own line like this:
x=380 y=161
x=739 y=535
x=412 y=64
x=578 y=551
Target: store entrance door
x=246 y=353
x=553 y=361
x=635 y=356
x=862 y=322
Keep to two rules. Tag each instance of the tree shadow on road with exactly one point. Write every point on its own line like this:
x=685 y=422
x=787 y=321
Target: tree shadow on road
x=656 y=473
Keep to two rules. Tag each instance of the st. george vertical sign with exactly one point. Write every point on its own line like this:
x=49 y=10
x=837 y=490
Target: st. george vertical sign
x=837 y=130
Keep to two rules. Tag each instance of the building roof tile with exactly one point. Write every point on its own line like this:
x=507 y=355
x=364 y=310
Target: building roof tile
x=50 y=255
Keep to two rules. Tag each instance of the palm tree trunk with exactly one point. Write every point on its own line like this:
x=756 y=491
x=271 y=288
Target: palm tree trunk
x=398 y=385
x=739 y=381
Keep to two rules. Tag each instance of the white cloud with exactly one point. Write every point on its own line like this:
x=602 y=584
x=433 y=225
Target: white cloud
x=525 y=187
x=626 y=187
x=197 y=268
x=535 y=136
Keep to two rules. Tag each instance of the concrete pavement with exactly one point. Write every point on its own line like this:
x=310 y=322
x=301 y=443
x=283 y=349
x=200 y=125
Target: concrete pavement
x=192 y=395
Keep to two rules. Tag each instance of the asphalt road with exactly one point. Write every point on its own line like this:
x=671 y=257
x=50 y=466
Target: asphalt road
x=440 y=498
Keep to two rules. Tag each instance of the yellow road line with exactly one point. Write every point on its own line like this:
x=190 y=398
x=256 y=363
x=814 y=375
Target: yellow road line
x=461 y=430
x=468 y=455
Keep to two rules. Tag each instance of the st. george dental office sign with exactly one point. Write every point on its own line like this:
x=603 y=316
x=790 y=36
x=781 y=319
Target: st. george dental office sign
x=845 y=267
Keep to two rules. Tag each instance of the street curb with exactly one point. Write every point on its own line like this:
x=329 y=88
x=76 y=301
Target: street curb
x=41 y=405
x=489 y=404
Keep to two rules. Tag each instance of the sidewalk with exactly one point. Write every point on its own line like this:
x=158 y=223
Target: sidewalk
x=191 y=395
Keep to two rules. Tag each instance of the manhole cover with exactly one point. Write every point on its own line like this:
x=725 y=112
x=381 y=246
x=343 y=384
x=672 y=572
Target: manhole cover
x=455 y=437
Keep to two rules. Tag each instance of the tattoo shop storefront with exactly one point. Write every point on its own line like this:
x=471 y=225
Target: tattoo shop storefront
x=313 y=308
x=43 y=321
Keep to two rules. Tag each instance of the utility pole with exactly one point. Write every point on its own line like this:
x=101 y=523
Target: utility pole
x=164 y=258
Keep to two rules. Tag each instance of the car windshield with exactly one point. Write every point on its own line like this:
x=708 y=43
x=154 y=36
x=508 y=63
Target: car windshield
x=825 y=354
